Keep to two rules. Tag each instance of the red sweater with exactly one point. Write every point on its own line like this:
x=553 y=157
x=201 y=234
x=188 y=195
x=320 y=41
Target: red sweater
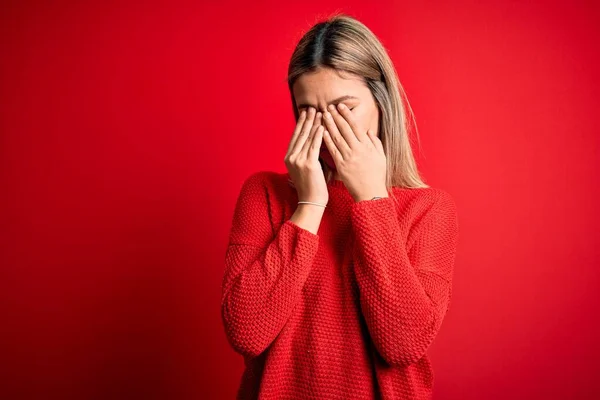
x=347 y=313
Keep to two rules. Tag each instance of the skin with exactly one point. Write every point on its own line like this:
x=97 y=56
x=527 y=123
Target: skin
x=351 y=134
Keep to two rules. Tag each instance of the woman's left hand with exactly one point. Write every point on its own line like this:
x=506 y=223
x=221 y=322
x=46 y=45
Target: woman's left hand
x=358 y=155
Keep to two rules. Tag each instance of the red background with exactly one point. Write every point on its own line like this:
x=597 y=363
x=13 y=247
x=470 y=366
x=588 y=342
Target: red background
x=128 y=128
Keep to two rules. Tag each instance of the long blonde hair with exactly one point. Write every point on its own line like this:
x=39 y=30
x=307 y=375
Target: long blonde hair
x=343 y=43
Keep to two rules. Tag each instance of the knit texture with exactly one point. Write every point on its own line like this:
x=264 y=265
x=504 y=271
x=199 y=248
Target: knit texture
x=347 y=313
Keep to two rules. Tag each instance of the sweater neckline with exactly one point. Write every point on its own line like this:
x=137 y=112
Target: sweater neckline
x=335 y=183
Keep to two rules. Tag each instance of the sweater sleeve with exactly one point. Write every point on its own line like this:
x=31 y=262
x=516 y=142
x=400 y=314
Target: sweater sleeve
x=265 y=270
x=404 y=274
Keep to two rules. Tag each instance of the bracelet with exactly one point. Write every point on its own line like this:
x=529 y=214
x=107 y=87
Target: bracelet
x=310 y=202
x=322 y=205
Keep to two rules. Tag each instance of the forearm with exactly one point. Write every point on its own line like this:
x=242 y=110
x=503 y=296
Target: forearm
x=263 y=285
x=404 y=284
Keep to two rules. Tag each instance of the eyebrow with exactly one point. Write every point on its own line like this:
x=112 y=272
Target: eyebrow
x=338 y=100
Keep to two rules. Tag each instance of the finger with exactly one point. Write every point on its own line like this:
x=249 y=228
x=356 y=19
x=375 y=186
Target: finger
x=333 y=150
x=306 y=128
x=297 y=130
x=318 y=121
x=348 y=118
x=310 y=136
x=371 y=140
x=315 y=147
x=342 y=146
x=376 y=142
x=344 y=128
x=309 y=139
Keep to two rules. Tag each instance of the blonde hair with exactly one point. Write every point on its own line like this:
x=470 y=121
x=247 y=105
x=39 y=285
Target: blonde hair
x=345 y=44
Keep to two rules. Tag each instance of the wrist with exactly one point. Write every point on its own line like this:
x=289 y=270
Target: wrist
x=310 y=208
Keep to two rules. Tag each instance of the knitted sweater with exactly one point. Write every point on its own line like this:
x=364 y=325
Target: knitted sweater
x=347 y=313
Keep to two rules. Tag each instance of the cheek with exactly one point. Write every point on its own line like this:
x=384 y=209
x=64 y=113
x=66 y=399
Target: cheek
x=374 y=122
x=362 y=120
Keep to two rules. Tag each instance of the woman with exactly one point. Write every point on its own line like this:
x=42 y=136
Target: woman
x=338 y=272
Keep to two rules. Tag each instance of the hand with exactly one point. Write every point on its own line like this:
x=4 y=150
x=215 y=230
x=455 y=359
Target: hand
x=302 y=158
x=358 y=155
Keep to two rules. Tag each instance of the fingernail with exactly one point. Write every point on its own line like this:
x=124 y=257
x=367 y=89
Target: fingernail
x=341 y=106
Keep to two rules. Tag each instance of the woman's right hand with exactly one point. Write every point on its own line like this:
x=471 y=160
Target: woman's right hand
x=302 y=158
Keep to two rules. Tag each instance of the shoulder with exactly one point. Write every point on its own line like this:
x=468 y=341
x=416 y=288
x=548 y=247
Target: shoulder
x=437 y=200
x=269 y=180
x=270 y=187
x=269 y=191
x=427 y=207
x=431 y=210
x=266 y=179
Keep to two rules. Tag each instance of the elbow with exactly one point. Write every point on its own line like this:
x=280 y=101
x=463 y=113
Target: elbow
x=410 y=347
x=240 y=335
x=243 y=345
x=402 y=358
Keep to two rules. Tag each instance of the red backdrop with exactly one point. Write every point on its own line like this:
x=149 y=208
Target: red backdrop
x=127 y=130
